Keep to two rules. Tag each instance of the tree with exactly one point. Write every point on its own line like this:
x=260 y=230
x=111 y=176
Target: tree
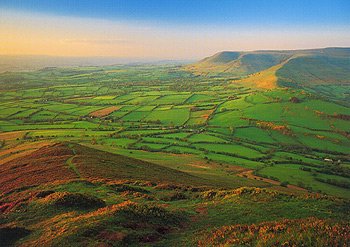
x=284 y=183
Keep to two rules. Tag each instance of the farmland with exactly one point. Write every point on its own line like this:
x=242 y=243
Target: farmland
x=136 y=138
x=225 y=120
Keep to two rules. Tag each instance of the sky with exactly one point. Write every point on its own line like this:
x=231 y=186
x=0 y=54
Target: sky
x=169 y=29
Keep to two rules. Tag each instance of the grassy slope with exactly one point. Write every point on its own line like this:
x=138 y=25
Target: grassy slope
x=68 y=161
x=235 y=64
x=106 y=198
x=266 y=69
x=267 y=78
x=201 y=173
x=313 y=70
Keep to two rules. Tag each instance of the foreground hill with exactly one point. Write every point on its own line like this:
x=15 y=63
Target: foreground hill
x=63 y=161
x=267 y=69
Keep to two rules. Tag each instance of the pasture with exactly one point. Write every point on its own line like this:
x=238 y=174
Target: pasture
x=148 y=111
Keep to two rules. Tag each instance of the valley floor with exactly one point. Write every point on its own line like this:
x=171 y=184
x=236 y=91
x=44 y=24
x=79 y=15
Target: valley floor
x=153 y=155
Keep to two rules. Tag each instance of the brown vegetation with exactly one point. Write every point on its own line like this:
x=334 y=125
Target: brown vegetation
x=12 y=135
x=272 y=126
x=104 y=112
x=44 y=165
x=300 y=232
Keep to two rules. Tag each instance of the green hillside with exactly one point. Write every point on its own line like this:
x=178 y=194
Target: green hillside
x=222 y=57
x=236 y=63
x=289 y=68
x=73 y=194
x=256 y=62
x=315 y=69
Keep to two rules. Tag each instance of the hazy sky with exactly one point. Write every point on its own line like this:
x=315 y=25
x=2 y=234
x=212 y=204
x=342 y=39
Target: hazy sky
x=165 y=29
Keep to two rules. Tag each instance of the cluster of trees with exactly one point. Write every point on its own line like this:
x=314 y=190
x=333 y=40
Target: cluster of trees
x=256 y=173
x=336 y=169
x=339 y=183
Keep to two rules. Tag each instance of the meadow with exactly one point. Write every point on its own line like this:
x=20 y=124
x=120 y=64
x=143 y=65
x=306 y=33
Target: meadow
x=207 y=133
x=150 y=108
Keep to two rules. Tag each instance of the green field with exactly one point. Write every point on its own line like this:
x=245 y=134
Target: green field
x=197 y=154
x=212 y=119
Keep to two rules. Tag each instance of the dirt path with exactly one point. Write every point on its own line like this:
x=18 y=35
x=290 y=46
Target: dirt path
x=249 y=174
x=71 y=164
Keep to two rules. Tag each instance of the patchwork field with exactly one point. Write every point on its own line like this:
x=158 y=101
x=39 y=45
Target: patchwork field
x=177 y=150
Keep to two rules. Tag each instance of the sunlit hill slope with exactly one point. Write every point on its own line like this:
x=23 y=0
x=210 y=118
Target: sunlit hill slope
x=268 y=69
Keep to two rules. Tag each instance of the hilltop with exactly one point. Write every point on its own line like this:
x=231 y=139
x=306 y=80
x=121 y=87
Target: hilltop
x=268 y=69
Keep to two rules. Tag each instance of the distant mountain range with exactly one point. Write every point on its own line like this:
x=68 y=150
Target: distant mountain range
x=270 y=68
x=35 y=62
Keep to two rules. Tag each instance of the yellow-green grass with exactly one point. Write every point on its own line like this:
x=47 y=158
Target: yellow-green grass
x=170 y=117
x=183 y=162
x=135 y=116
x=176 y=135
x=228 y=119
x=7 y=112
x=234 y=104
x=200 y=98
x=292 y=174
x=254 y=134
x=205 y=138
x=182 y=150
x=234 y=149
x=105 y=97
x=171 y=99
x=121 y=142
x=150 y=146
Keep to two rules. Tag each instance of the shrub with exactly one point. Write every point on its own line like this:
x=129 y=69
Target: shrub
x=44 y=193
x=299 y=232
x=284 y=183
x=9 y=235
x=151 y=213
x=77 y=200
x=125 y=187
x=175 y=196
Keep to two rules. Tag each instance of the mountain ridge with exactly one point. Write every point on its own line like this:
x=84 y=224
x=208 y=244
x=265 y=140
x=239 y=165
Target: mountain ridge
x=308 y=66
